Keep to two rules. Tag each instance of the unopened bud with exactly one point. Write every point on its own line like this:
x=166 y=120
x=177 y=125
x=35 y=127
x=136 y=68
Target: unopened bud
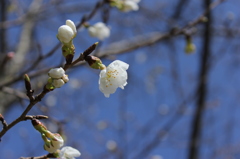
x=90 y=50
x=39 y=126
x=190 y=47
x=27 y=82
x=95 y=62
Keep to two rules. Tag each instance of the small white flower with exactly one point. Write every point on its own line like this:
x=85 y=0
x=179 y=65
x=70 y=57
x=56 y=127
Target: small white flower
x=67 y=32
x=99 y=30
x=56 y=72
x=130 y=5
x=68 y=152
x=114 y=76
x=57 y=83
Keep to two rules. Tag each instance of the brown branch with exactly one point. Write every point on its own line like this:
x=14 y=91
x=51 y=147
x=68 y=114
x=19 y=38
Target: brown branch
x=196 y=126
x=38 y=98
x=40 y=157
x=3 y=122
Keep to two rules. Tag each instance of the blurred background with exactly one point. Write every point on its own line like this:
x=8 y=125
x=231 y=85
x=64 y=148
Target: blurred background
x=177 y=104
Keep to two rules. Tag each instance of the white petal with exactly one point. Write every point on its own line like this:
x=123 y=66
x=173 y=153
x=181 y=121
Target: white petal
x=69 y=153
x=65 y=34
x=118 y=63
x=58 y=83
x=129 y=6
x=71 y=25
x=65 y=78
x=56 y=72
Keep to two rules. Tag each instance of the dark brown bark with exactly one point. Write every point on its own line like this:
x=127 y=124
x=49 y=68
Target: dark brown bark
x=196 y=126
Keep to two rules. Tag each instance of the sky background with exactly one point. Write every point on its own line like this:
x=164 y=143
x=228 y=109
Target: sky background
x=162 y=79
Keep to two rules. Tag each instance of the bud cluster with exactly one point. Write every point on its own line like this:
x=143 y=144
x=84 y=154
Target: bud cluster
x=57 y=78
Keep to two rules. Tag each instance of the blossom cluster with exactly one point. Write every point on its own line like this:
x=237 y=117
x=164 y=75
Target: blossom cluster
x=110 y=77
x=57 y=77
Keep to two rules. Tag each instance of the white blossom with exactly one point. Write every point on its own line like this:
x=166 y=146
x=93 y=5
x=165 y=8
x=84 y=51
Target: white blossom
x=114 y=76
x=130 y=5
x=56 y=72
x=68 y=152
x=67 y=32
x=99 y=30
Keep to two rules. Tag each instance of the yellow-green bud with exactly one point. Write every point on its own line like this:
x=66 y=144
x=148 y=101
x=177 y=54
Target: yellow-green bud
x=95 y=62
x=39 y=126
x=190 y=47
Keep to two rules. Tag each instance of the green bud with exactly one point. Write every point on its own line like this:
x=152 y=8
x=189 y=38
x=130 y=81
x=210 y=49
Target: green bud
x=190 y=47
x=27 y=82
x=39 y=126
x=95 y=62
x=49 y=85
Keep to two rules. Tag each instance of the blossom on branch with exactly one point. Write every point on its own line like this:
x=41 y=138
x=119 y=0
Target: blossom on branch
x=57 y=78
x=99 y=30
x=67 y=32
x=125 y=5
x=112 y=77
x=129 y=5
x=68 y=152
x=56 y=72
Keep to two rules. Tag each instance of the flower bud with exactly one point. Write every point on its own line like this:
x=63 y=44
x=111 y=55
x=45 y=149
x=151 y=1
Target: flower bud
x=27 y=82
x=56 y=72
x=190 y=47
x=129 y=5
x=57 y=83
x=39 y=126
x=95 y=62
x=67 y=32
x=56 y=141
x=99 y=30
